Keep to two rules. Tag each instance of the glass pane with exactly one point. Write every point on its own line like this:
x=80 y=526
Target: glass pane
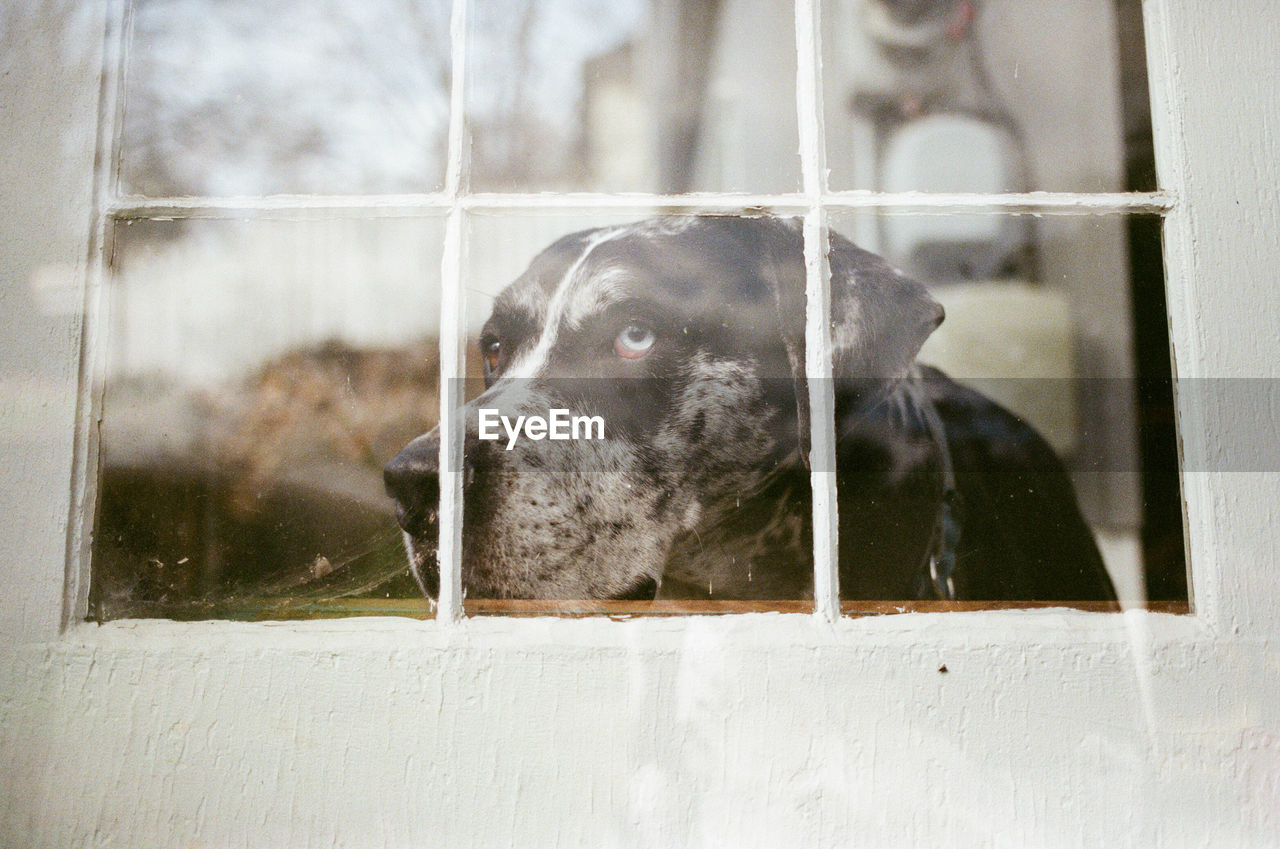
x=991 y=96
x=259 y=376
x=633 y=426
x=640 y=95
x=1056 y=319
x=286 y=96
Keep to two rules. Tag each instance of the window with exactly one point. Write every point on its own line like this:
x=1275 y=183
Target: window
x=1061 y=727
x=301 y=226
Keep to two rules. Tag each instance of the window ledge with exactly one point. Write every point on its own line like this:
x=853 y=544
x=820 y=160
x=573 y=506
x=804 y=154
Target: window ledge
x=1080 y=631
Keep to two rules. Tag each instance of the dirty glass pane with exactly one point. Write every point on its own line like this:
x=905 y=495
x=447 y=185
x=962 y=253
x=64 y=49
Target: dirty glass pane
x=662 y=346
x=285 y=96
x=1058 y=319
x=991 y=96
x=638 y=95
x=258 y=376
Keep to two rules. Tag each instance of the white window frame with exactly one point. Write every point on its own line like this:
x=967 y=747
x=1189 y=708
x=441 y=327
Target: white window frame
x=803 y=729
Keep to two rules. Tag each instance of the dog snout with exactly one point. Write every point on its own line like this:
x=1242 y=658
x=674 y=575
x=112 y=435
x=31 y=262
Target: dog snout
x=412 y=479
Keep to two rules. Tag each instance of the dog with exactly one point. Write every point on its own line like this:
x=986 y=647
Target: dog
x=686 y=336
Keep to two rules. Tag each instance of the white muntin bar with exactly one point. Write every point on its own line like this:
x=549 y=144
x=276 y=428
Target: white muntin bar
x=652 y=203
x=94 y=320
x=457 y=156
x=1037 y=203
x=135 y=207
x=452 y=341
x=822 y=455
x=390 y=206
x=822 y=442
x=1185 y=311
x=283 y=206
x=453 y=338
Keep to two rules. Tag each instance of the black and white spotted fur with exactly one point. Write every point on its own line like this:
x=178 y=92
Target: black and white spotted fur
x=701 y=488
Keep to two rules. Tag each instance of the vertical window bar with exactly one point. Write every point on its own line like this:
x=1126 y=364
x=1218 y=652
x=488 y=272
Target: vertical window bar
x=1178 y=239
x=117 y=29
x=453 y=336
x=822 y=455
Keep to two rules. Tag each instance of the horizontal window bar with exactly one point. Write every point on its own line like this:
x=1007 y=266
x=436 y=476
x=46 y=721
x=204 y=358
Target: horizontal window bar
x=135 y=208
x=390 y=205
x=574 y=201
x=1048 y=203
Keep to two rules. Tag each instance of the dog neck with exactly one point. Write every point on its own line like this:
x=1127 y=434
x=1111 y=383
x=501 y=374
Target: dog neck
x=754 y=546
x=893 y=475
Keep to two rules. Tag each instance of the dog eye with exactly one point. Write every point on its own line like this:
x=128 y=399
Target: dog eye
x=634 y=341
x=492 y=349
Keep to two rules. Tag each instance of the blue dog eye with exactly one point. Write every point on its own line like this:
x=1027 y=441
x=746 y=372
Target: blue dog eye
x=634 y=341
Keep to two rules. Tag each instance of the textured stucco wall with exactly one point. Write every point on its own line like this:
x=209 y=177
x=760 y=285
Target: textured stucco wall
x=1048 y=729
x=766 y=732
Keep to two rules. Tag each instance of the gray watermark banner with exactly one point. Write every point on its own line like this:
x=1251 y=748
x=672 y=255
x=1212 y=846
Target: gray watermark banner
x=1213 y=425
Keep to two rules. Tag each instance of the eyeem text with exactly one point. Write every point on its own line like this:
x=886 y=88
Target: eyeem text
x=557 y=425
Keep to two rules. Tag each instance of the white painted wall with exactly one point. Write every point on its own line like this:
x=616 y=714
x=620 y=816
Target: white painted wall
x=218 y=301
x=1048 y=729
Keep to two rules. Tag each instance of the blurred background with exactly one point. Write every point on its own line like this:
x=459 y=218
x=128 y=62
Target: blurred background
x=260 y=370
x=259 y=375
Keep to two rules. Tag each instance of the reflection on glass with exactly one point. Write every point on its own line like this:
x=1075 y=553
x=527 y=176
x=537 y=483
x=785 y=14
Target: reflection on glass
x=636 y=429
x=227 y=98
x=259 y=375
x=1052 y=318
x=641 y=95
x=986 y=95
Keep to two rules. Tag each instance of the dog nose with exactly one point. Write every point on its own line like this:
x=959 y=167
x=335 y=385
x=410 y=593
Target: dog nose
x=412 y=479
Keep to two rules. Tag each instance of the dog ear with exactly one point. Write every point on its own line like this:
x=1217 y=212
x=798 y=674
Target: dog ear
x=879 y=317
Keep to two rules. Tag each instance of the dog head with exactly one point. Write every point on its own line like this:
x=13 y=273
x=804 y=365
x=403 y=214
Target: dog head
x=684 y=336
